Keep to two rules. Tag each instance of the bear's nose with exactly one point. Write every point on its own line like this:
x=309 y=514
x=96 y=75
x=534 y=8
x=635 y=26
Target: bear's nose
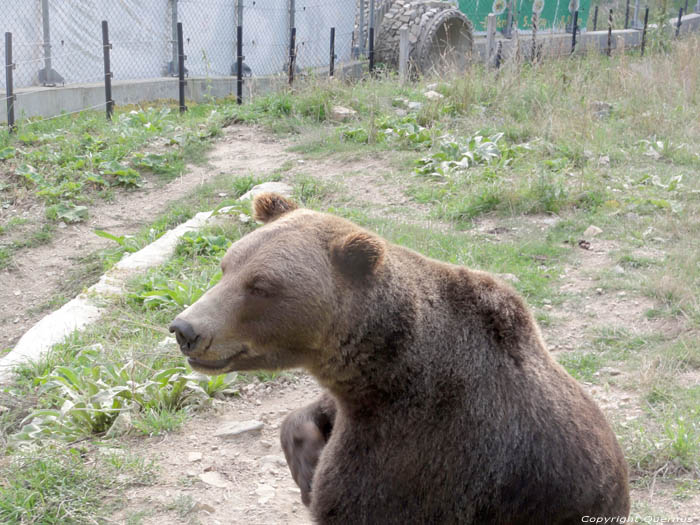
x=186 y=337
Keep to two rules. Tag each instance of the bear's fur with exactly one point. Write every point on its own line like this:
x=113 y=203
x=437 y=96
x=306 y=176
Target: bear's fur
x=442 y=404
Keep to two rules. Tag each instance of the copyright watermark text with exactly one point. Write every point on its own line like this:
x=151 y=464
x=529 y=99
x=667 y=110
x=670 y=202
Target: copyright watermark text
x=634 y=519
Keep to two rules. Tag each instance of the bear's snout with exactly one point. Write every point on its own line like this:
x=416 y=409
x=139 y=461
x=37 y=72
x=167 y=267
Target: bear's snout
x=186 y=336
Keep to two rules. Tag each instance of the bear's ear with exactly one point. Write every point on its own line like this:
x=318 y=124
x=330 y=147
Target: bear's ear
x=358 y=254
x=269 y=206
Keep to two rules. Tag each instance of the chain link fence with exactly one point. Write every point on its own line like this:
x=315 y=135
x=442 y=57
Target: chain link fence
x=58 y=42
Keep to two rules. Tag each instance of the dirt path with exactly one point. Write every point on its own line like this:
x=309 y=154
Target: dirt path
x=37 y=273
x=255 y=486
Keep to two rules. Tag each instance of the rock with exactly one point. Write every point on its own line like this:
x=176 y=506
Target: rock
x=272 y=187
x=275 y=460
x=265 y=493
x=433 y=95
x=204 y=507
x=121 y=425
x=509 y=277
x=432 y=87
x=401 y=112
x=415 y=106
x=592 y=231
x=601 y=109
x=619 y=270
x=341 y=114
x=400 y=102
x=215 y=479
x=604 y=160
x=236 y=428
x=194 y=456
x=607 y=370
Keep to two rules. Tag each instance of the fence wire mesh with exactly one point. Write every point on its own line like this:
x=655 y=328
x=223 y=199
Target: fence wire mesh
x=57 y=42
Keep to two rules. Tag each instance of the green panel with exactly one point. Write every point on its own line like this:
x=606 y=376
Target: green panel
x=478 y=11
x=554 y=14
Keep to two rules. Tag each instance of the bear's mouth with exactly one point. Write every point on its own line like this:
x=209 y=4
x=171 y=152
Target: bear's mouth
x=204 y=364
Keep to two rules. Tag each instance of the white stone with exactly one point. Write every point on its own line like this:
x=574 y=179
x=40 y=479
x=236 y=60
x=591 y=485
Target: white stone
x=341 y=114
x=592 y=231
x=433 y=95
x=271 y=187
x=236 y=428
x=215 y=480
x=193 y=457
x=265 y=493
x=120 y=426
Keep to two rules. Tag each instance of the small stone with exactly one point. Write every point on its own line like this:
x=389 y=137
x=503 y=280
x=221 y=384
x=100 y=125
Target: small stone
x=401 y=112
x=607 y=370
x=592 y=231
x=265 y=493
x=599 y=291
x=275 y=460
x=509 y=277
x=265 y=443
x=433 y=95
x=61 y=225
x=601 y=109
x=271 y=187
x=432 y=86
x=341 y=114
x=604 y=160
x=236 y=428
x=215 y=480
x=619 y=270
x=223 y=194
x=194 y=456
x=415 y=106
x=245 y=219
x=120 y=426
x=199 y=506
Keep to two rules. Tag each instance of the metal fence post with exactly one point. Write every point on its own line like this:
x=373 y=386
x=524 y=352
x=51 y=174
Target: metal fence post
x=9 y=88
x=678 y=25
x=644 y=31
x=239 y=52
x=181 y=67
x=361 y=30
x=371 y=36
x=627 y=14
x=610 y=24
x=172 y=67
x=292 y=54
x=47 y=76
x=332 y=57
x=595 y=18
x=292 y=18
x=574 y=28
x=533 y=52
x=106 y=47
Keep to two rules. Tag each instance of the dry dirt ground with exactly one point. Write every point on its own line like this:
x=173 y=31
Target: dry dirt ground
x=246 y=480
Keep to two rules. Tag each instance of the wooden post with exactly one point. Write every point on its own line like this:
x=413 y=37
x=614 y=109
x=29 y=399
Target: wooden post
x=490 y=37
x=403 y=53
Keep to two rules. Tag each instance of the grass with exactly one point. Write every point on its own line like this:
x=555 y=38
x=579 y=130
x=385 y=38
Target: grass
x=516 y=201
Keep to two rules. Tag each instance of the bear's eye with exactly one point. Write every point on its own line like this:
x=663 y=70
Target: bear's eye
x=262 y=288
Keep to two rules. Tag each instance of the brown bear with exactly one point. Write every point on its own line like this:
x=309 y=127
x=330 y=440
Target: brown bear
x=442 y=403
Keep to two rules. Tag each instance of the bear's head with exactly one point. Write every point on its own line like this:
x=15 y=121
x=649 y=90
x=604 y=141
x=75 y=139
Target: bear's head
x=282 y=295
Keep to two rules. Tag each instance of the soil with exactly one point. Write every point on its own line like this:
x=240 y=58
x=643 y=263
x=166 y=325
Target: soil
x=256 y=487
x=38 y=273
